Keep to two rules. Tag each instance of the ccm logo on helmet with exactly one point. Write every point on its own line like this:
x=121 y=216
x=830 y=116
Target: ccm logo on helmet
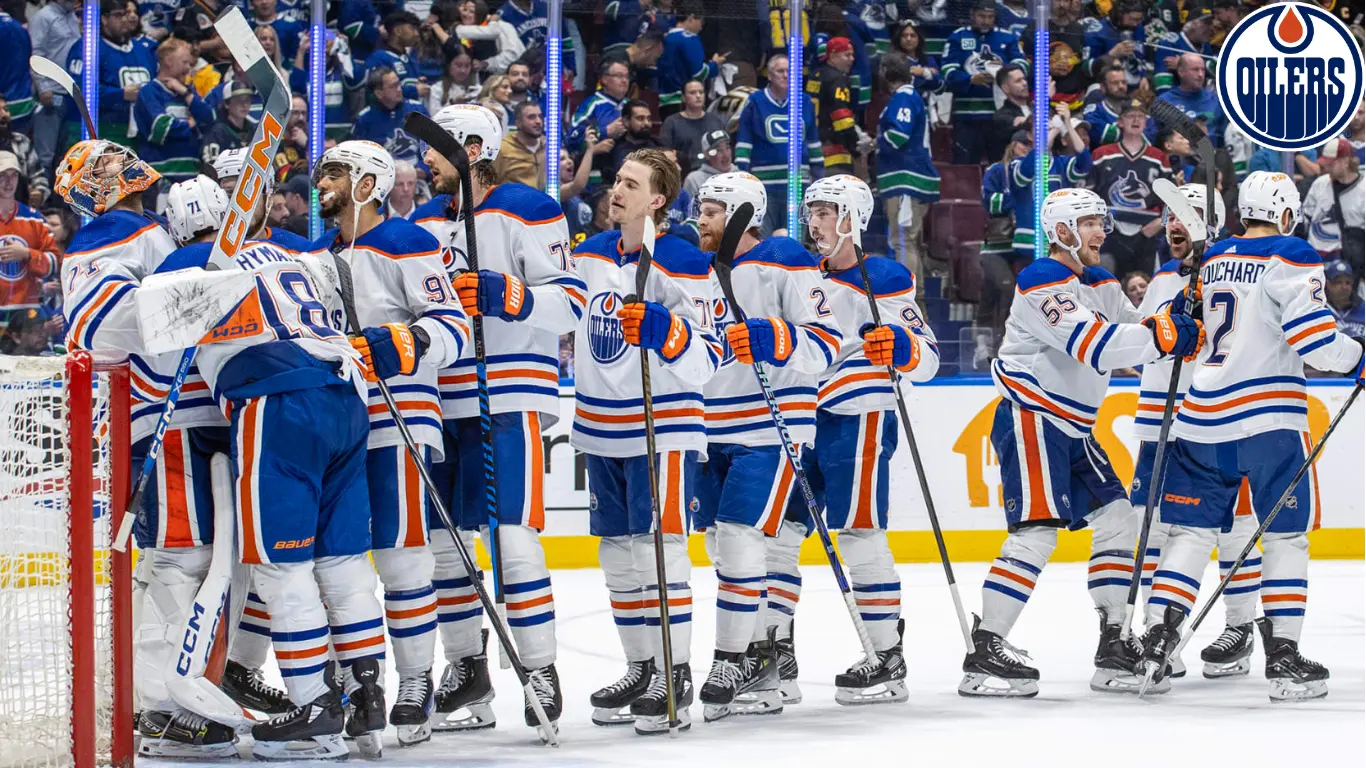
x=1290 y=76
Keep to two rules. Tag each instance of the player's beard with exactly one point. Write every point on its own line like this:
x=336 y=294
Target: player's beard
x=340 y=201
x=708 y=240
x=447 y=184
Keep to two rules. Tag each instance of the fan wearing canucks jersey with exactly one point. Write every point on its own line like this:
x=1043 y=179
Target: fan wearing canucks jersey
x=668 y=321
x=528 y=293
x=972 y=56
x=744 y=487
x=1069 y=326
x=761 y=141
x=1245 y=417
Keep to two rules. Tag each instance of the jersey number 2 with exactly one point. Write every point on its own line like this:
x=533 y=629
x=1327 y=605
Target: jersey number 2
x=1226 y=304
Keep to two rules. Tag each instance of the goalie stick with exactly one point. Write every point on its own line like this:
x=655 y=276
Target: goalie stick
x=723 y=263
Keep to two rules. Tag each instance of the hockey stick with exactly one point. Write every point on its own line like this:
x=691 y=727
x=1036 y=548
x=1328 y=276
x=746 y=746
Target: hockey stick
x=421 y=127
x=915 y=457
x=647 y=252
x=723 y=263
x=54 y=72
x=1177 y=120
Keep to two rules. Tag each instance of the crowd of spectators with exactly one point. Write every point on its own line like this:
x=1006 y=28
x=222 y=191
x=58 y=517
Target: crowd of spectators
x=930 y=100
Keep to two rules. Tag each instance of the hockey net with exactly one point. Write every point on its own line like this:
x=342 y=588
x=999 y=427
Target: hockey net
x=65 y=596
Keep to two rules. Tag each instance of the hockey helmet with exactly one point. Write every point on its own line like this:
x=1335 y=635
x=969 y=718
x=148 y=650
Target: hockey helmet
x=464 y=121
x=731 y=190
x=1265 y=196
x=361 y=158
x=96 y=174
x=1068 y=207
x=194 y=206
x=1195 y=193
x=849 y=194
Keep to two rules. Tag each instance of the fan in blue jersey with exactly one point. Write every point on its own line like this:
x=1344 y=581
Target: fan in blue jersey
x=357 y=20
x=909 y=40
x=1194 y=38
x=683 y=59
x=972 y=56
x=1069 y=163
x=16 y=82
x=907 y=180
x=170 y=116
x=1121 y=37
x=267 y=13
x=382 y=122
x=400 y=35
x=1190 y=94
x=126 y=63
x=761 y=141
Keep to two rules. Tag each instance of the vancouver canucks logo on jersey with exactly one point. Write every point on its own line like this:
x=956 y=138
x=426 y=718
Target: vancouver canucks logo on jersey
x=984 y=61
x=605 y=337
x=1290 y=76
x=11 y=271
x=1129 y=191
x=403 y=146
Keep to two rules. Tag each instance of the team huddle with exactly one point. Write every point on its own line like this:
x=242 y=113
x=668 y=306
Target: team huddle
x=370 y=386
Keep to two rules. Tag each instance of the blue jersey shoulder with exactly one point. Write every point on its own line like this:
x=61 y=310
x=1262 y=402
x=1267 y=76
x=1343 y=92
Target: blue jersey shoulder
x=601 y=244
x=1042 y=272
x=780 y=250
x=1096 y=276
x=680 y=258
x=1173 y=266
x=432 y=209
x=1287 y=248
x=888 y=277
x=185 y=257
x=286 y=239
x=326 y=240
x=527 y=203
x=110 y=229
x=25 y=212
x=399 y=237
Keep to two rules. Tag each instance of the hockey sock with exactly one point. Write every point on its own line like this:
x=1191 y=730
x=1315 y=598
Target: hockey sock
x=1177 y=578
x=1114 y=528
x=876 y=585
x=1011 y=579
x=530 y=602
x=354 y=614
x=172 y=577
x=298 y=626
x=1240 y=599
x=784 y=581
x=623 y=585
x=740 y=578
x=459 y=613
x=251 y=641
x=1157 y=538
x=677 y=569
x=409 y=606
x=1285 y=589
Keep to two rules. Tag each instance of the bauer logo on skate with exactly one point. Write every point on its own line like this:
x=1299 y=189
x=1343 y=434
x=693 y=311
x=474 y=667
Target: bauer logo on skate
x=1290 y=76
x=605 y=337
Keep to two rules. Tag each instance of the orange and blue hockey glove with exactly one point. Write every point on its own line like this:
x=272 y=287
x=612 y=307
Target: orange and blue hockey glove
x=762 y=340
x=648 y=324
x=892 y=345
x=389 y=350
x=493 y=294
x=1176 y=335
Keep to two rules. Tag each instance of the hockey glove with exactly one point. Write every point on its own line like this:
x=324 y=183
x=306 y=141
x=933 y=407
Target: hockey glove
x=648 y=324
x=389 y=350
x=762 y=340
x=493 y=294
x=1183 y=304
x=1176 y=335
x=893 y=345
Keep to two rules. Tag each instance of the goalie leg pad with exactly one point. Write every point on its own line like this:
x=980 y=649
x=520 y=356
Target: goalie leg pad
x=1013 y=574
x=459 y=613
x=172 y=578
x=347 y=584
x=409 y=606
x=298 y=626
x=876 y=585
x=530 y=601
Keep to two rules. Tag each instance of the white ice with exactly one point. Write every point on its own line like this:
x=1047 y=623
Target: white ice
x=1201 y=722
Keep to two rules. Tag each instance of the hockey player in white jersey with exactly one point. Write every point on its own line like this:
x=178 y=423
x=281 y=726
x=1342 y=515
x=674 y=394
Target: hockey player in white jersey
x=1245 y=416
x=745 y=484
x=227 y=166
x=856 y=431
x=1228 y=654
x=412 y=326
x=105 y=263
x=609 y=420
x=529 y=295
x=1069 y=327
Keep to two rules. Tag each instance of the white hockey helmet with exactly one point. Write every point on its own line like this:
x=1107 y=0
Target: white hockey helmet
x=1068 y=207
x=1195 y=193
x=851 y=197
x=465 y=120
x=731 y=190
x=229 y=163
x=363 y=158
x=1265 y=196
x=194 y=206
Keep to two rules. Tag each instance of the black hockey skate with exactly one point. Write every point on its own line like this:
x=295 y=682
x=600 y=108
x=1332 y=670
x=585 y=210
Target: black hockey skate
x=651 y=709
x=546 y=683
x=1116 y=660
x=787 y=670
x=875 y=681
x=993 y=659
x=610 y=703
x=1230 y=654
x=248 y=688
x=1292 y=677
x=744 y=683
x=365 y=708
x=412 y=710
x=466 y=685
x=1159 y=644
x=310 y=732
x=183 y=735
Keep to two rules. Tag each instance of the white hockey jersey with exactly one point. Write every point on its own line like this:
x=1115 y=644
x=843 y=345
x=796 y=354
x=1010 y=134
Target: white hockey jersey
x=1064 y=335
x=776 y=278
x=1265 y=317
x=1157 y=375
x=398 y=277
x=609 y=418
x=521 y=232
x=852 y=385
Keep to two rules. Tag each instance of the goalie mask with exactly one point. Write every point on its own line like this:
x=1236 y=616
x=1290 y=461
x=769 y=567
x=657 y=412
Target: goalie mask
x=732 y=190
x=96 y=174
x=361 y=159
x=1068 y=207
x=195 y=206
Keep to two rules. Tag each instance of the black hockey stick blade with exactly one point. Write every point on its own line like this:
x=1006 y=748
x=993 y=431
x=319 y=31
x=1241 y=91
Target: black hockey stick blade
x=647 y=259
x=425 y=130
x=724 y=260
x=54 y=72
x=1174 y=118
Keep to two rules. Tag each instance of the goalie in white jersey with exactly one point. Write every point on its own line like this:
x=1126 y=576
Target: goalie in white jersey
x=529 y=295
x=1069 y=327
x=1245 y=416
x=745 y=484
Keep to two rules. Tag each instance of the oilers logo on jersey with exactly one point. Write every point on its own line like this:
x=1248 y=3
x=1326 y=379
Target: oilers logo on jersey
x=721 y=320
x=605 y=337
x=11 y=271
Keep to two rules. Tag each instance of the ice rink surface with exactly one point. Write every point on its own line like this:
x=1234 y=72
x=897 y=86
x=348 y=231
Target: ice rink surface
x=1200 y=723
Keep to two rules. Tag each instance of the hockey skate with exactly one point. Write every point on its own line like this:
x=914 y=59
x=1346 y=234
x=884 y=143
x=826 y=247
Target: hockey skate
x=651 y=709
x=875 y=681
x=310 y=732
x=365 y=709
x=610 y=703
x=743 y=683
x=466 y=685
x=1158 y=644
x=412 y=710
x=183 y=735
x=1116 y=661
x=1292 y=677
x=993 y=659
x=787 y=671
x=546 y=684
x=1230 y=654
x=248 y=688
